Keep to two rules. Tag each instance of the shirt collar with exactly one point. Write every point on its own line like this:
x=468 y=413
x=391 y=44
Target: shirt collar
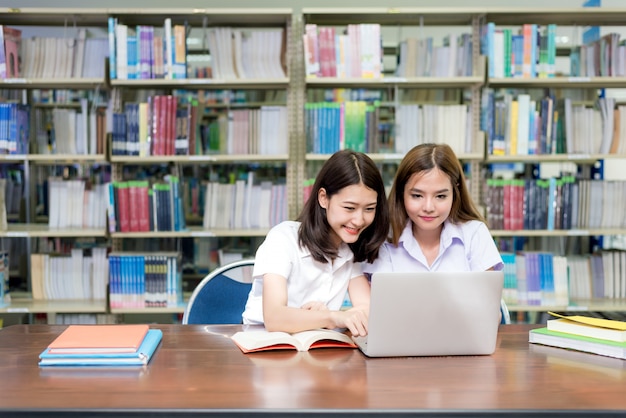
x=344 y=253
x=450 y=232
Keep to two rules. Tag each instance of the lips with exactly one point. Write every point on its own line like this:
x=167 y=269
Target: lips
x=351 y=231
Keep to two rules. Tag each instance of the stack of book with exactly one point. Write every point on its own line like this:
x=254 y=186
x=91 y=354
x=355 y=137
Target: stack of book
x=102 y=345
x=605 y=337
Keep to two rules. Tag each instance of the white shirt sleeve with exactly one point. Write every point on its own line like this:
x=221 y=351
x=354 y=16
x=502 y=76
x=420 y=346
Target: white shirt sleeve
x=484 y=254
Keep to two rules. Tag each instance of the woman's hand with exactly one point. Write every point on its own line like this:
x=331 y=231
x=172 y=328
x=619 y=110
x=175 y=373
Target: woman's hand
x=354 y=319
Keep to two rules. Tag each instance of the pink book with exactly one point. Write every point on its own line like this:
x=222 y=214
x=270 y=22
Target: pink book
x=99 y=339
x=311 y=48
x=12 y=40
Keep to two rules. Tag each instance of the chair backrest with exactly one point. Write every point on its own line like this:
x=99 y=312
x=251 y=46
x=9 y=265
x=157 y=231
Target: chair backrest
x=220 y=298
x=504 y=310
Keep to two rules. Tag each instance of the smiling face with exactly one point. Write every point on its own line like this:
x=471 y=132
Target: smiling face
x=428 y=200
x=349 y=212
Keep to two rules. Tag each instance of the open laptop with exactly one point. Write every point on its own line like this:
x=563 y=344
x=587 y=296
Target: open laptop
x=433 y=314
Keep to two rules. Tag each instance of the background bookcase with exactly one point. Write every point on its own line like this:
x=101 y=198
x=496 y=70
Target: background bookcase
x=395 y=89
x=30 y=228
x=124 y=90
x=298 y=91
x=584 y=89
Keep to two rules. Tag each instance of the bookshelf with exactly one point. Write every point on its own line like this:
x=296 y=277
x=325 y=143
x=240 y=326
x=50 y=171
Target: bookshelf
x=295 y=90
x=45 y=86
x=121 y=91
x=259 y=91
x=400 y=85
x=582 y=240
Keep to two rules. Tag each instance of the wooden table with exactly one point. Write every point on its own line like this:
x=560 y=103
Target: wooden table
x=198 y=370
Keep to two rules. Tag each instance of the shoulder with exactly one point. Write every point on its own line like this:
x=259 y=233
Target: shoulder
x=469 y=228
x=287 y=229
x=466 y=232
x=283 y=235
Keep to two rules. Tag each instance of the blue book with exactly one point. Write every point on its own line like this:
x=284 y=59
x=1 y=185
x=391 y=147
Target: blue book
x=139 y=358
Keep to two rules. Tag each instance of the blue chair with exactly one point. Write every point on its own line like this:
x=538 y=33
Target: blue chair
x=504 y=310
x=220 y=298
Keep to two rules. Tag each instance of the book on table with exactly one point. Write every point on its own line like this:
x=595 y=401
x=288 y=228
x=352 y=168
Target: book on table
x=578 y=342
x=604 y=329
x=140 y=357
x=262 y=340
x=99 y=339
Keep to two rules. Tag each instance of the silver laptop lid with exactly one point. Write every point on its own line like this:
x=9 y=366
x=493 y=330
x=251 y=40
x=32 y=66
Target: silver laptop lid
x=434 y=313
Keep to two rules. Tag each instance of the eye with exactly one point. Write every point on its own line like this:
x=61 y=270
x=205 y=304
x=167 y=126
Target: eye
x=416 y=195
x=350 y=208
x=442 y=196
x=372 y=209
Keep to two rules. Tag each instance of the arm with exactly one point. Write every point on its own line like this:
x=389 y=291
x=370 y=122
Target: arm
x=280 y=317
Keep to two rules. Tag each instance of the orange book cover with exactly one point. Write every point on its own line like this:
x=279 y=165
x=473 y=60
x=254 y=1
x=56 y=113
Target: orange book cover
x=99 y=339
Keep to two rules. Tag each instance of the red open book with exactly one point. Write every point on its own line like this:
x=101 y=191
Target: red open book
x=252 y=341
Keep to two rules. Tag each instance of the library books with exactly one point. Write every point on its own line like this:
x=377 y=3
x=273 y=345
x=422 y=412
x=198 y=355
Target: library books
x=139 y=357
x=91 y=339
x=577 y=342
x=139 y=280
x=604 y=329
x=253 y=341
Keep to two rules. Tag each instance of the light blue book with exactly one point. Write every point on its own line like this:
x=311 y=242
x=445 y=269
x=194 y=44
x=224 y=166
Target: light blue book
x=139 y=358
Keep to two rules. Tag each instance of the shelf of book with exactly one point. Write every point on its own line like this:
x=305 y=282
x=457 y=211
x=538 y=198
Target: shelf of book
x=26 y=306
x=53 y=83
x=458 y=69
x=59 y=16
x=215 y=113
x=54 y=16
x=30 y=230
x=559 y=82
x=430 y=16
x=55 y=158
x=151 y=310
x=194 y=232
x=67 y=158
x=392 y=81
x=199 y=159
x=197 y=17
x=558 y=232
x=392 y=157
x=204 y=83
x=546 y=219
x=544 y=158
x=297 y=84
x=571 y=16
x=576 y=305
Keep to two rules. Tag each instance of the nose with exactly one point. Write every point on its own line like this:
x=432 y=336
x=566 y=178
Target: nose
x=429 y=204
x=359 y=218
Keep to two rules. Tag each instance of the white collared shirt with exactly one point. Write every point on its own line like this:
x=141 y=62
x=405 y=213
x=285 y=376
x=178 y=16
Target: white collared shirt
x=463 y=247
x=307 y=280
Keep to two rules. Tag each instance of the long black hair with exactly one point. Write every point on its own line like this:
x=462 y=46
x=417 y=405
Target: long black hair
x=344 y=168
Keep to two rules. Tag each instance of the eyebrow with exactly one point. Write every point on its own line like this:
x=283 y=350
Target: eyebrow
x=436 y=191
x=348 y=202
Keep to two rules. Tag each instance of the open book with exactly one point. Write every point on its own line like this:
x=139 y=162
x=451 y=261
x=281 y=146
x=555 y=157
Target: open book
x=251 y=341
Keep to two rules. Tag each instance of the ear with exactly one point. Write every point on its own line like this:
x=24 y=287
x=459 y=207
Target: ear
x=322 y=198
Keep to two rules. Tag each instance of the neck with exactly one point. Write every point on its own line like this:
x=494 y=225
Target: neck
x=428 y=238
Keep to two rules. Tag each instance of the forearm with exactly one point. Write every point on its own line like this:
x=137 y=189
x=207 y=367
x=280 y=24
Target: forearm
x=289 y=319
